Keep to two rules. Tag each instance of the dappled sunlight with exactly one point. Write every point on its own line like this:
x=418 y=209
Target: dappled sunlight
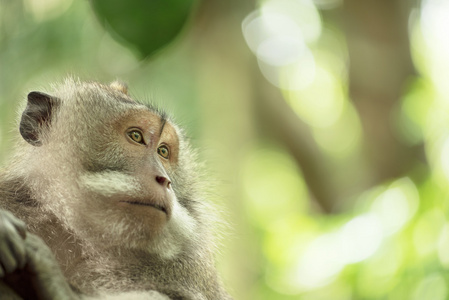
x=443 y=246
x=430 y=45
x=43 y=10
x=297 y=75
x=434 y=25
x=444 y=158
x=327 y=255
x=304 y=254
x=303 y=13
x=427 y=232
x=320 y=263
x=326 y=127
x=414 y=113
x=378 y=275
x=322 y=102
x=278 y=34
x=396 y=228
x=359 y=238
x=433 y=286
x=339 y=145
x=396 y=206
x=273 y=186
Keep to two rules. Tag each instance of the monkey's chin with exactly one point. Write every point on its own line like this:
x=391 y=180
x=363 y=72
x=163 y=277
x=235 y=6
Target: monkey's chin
x=152 y=216
x=148 y=217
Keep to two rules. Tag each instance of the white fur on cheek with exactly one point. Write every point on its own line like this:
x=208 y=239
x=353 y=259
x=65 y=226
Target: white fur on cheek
x=182 y=221
x=109 y=183
x=180 y=230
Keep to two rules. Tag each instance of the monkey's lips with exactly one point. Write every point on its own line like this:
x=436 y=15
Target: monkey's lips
x=145 y=203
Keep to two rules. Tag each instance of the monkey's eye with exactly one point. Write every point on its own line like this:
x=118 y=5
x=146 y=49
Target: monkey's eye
x=163 y=151
x=136 y=136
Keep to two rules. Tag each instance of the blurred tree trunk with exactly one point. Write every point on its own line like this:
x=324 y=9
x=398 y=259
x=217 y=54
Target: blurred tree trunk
x=247 y=99
x=380 y=66
x=278 y=121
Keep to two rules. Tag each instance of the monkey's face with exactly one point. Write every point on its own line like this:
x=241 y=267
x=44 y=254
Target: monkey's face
x=118 y=184
x=129 y=181
x=149 y=149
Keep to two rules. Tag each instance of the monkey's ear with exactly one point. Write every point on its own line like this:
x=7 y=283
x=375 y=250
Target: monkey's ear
x=119 y=86
x=37 y=115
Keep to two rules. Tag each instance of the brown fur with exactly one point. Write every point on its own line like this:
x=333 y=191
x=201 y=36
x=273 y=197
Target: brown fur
x=51 y=185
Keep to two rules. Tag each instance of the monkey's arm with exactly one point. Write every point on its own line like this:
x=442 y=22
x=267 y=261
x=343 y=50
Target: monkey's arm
x=27 y=264
x=28 y=269
x=12 y=251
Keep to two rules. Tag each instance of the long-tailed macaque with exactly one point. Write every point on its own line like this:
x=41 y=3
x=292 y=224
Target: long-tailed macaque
x=113 y=205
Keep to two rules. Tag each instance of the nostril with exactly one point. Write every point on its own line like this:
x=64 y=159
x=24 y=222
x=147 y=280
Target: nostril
x=163 y=181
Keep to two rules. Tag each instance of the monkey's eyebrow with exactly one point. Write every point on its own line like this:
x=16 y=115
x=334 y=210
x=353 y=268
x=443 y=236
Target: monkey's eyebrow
x=163 y=121
x=162 y=114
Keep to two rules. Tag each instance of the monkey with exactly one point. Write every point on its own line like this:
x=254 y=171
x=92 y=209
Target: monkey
x=103 y=199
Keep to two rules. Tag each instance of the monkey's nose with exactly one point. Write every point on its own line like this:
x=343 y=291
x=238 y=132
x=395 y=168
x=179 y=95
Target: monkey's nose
x=164 y=181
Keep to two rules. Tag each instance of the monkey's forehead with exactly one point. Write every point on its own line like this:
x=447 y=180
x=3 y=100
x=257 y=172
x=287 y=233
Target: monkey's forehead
x=143 y=107
x=95 y=93
x=106 y=101
x=142 y=114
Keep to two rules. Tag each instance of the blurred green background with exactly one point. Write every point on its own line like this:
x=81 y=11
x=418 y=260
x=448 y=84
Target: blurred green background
x=325 y=125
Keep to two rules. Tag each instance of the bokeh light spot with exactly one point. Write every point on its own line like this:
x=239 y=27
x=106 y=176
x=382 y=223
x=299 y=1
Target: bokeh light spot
x=427 y=232
x=322 y=102
x=43 y=10
x=432 y=287
x=273 y=186
x=396 y=206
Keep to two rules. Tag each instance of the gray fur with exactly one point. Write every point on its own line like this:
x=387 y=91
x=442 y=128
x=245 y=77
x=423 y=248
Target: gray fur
x=60 y=189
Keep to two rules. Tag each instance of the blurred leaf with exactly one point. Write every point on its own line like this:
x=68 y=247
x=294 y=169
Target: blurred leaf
x=148 y=25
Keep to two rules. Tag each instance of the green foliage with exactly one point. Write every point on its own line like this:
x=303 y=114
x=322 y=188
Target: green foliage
x=146 y=25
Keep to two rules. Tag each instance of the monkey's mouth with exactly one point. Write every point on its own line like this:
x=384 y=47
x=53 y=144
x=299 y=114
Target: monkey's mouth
x=159 y=207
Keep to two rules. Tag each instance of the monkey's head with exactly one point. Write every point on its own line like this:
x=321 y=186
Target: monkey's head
x=115 y=171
